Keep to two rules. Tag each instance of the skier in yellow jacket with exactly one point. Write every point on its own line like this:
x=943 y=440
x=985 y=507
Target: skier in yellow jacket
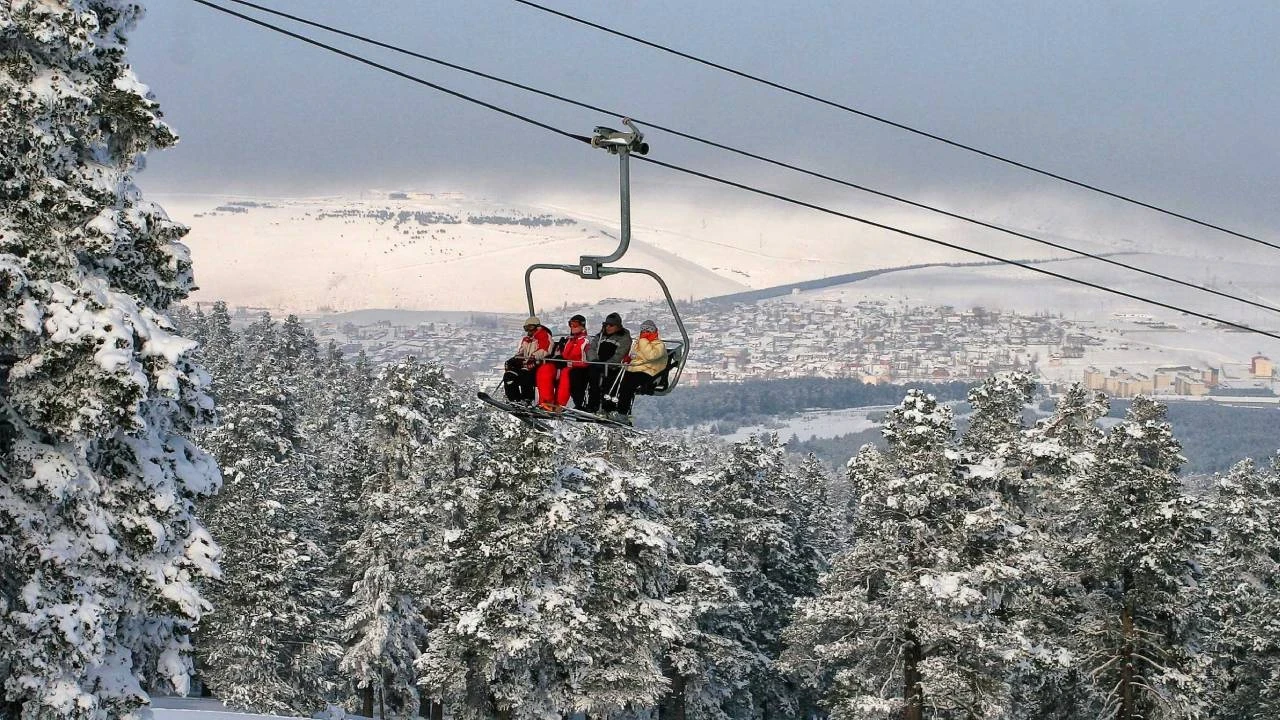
x=648 y=359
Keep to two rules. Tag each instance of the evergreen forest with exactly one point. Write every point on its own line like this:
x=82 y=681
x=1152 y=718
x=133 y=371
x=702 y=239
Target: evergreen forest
x=389 y=545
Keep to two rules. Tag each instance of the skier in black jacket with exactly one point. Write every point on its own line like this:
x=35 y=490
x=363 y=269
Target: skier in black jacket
x=611 y=345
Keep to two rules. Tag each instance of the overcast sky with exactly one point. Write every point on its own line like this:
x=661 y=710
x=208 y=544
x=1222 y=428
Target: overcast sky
x=1175 y=102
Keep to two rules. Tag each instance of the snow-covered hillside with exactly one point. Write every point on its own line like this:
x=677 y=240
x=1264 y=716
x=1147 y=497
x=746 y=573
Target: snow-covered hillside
x=447 y=251
x=428 y=252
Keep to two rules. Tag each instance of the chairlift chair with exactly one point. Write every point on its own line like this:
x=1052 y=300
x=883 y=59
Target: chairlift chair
x=595 y=267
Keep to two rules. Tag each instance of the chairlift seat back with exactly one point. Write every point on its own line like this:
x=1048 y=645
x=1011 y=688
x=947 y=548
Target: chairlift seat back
x=659 y=384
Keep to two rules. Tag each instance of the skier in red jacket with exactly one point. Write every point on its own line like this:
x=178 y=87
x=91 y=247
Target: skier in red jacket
x=565 y=373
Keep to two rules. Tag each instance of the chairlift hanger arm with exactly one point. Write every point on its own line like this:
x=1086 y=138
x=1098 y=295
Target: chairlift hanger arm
x=575 y=270
x=528 y=284
x=621 y=144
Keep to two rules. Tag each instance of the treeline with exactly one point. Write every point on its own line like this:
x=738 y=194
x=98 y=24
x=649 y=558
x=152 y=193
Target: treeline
x=1215 y=435
x=836 y=451
x=527 y=221
x=430 y=217
x=389 y=546
x=753 y=401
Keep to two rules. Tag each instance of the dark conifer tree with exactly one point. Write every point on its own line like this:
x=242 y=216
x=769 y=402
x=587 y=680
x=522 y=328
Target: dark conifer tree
x=903 y=625
x=1060 y=452
x=557 y=566
x=1140 y=633
x=387 y=624
x=1243 y=588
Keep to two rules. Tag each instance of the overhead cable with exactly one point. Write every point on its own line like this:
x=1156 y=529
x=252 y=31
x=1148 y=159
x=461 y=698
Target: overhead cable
x=893 y=123
x=743 y=186
x=744 y=153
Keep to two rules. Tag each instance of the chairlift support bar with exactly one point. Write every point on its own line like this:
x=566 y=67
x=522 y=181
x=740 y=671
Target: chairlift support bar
x=592 y=267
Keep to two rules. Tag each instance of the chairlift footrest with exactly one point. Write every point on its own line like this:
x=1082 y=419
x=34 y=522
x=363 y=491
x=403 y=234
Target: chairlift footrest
x=531 y=416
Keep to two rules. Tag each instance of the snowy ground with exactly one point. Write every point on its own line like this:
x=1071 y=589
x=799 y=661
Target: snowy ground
x=282 y=255
x=181 y=708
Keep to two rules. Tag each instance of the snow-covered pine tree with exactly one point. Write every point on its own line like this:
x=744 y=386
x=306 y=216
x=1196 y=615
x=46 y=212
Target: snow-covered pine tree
x=996 y=421
x=746 y=531
x=844 y=673
x=1014 y=559
x=729 y=510
x=259 y=340
x=633 y=565
x=493 y=659
x=265 y=645
x=386 y=626
x=1243 y=586
x=760 y=534
x=460 y=452
x=1061 y=450
x=321 y=408
x=298 y=350
x=359 y=383
x=1062 y=446
x=815 y=527
x=708 y=669
x=341 y=447
x=187 y=322
x=220 y=346
x=99 y=548
x=556 y=574
x=901 y=625
x=1141 y=629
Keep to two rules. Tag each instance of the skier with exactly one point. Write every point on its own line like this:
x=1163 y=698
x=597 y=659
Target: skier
x=565 y=373
x=607 y=353
x=518 y=379
x=648 y=360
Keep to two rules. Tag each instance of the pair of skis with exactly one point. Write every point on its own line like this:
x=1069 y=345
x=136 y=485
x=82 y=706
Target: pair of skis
x=539 y=419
